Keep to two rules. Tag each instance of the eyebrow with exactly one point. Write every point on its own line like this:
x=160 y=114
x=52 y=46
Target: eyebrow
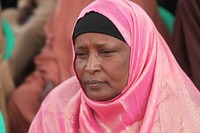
x=80 y=47
x=100 y=45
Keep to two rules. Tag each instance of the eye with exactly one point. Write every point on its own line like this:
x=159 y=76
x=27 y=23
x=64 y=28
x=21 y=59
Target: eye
x=106 y=53
x=81 y=55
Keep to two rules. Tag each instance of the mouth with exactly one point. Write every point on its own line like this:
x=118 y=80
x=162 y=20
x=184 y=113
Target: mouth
x=93 y=84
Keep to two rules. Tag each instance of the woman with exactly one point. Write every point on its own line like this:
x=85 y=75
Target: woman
x=187 y=38
x=126 y=78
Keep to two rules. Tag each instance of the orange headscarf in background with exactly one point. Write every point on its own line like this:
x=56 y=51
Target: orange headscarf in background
x=58 y=40
x=159 y=97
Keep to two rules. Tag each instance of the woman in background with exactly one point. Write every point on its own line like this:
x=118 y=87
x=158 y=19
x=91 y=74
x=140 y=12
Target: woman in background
x=186 y=38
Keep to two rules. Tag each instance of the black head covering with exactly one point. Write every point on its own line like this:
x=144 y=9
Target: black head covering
x=94 y=22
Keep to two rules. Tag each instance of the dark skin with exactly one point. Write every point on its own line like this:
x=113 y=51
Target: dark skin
x=102 y=65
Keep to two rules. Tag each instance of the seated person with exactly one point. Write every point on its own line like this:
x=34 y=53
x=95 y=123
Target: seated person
x=54 y=63
x=187 y=38
x=127 y=79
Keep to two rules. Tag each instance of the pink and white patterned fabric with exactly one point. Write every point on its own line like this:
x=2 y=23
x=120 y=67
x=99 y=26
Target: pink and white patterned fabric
x=158 y=98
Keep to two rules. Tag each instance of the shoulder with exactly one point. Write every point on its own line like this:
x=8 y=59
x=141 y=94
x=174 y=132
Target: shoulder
x=63 y=92
x=57 y=107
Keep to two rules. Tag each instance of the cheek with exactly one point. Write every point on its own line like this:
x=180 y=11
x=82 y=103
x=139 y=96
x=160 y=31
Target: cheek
x=118 y=71
x=79 y=68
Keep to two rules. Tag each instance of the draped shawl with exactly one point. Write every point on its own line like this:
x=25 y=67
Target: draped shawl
x=159 y=97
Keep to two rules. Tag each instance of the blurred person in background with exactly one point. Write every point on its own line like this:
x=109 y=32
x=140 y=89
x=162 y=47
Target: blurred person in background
x=27 y=21
x=6 y=82
x=186 y=38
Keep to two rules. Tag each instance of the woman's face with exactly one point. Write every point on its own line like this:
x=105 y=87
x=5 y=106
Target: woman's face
x=102 y=65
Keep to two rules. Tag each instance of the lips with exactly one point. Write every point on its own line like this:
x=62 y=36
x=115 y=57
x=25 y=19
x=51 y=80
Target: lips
x=93 y=84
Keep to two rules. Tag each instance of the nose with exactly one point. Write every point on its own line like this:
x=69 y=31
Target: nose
x=93 y=64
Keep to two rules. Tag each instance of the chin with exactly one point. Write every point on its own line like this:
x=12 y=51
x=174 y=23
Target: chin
x=99 y=98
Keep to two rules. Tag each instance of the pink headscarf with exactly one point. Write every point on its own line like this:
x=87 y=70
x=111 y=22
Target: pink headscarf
x=159 y=97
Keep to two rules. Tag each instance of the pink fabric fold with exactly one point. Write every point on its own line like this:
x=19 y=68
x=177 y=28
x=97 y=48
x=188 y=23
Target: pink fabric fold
x=159 y=97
